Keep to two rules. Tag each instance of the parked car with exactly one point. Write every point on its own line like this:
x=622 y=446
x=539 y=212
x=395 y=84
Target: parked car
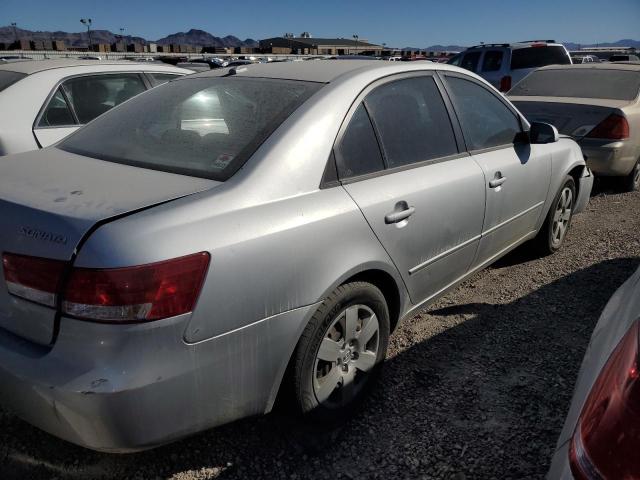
x=212 y=63
x=240 y=62
x=624 y=58
x=579 y=59
x=505 y=64
x=598 y=105
x=190 y=253
x=600 y=436
x=43 y=101
x=90 y=57
x=194 y=66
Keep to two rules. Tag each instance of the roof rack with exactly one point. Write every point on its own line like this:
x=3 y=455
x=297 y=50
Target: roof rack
x=490 y=45
x=534 y=41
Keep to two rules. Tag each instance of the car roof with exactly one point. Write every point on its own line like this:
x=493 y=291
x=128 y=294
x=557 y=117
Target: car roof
x=323 y=71
x=35 y=66
x=598 y=66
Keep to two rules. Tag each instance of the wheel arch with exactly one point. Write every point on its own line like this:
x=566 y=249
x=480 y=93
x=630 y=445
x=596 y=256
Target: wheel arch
x=381 y=275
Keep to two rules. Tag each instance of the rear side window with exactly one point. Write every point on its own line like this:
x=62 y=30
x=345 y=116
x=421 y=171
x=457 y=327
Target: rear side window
x=160 y=78
x=580 y=83
x=358 y=152
x=204 y=127
x=93 y=95
x=9 y=78
x=470 y=61
x=57 y=113
x=535 y=57
x=412 y=121
x=486 y=121
x=492 y=61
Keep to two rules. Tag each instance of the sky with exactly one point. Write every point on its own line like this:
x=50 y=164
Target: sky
x=398 y=23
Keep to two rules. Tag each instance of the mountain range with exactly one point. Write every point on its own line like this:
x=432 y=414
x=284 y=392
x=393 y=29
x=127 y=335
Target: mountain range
x=206 y=39
x=81 y=39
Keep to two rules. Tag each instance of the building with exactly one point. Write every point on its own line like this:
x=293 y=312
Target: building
x=102 y=48
x=307 y=45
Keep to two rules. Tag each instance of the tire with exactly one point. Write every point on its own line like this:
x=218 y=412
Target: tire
x=631 y=182
x=326 y=391
x=556 y=225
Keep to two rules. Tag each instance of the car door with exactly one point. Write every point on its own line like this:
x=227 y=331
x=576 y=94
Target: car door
x=80 y=99
x=398 y=158
x=517 y=173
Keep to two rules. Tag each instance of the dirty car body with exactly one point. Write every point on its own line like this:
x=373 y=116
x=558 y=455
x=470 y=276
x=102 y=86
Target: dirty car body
x=247 y=199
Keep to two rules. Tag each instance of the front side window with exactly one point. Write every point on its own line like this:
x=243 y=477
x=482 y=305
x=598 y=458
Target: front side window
x=57 y=113
x=492 y=61
x=486 y=121
x=358 y=152
x=204 y=127
x=412 y=121
x=93 y=95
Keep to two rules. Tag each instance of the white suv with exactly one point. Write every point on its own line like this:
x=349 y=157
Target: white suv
x=505 y=64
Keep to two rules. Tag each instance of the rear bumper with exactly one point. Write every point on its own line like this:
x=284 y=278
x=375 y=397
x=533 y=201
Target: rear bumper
x=120 y=388
x=609 y=158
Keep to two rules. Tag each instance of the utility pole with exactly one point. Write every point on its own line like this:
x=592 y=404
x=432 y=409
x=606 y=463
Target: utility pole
x=355 y=37
x=87 y=23
x=15 y=32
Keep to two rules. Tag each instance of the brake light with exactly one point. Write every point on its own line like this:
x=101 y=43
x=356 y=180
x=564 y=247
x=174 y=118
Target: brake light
x=607 y=436
x=505 y=83
x=614 y=127
x=33 y=278
x=131 y=294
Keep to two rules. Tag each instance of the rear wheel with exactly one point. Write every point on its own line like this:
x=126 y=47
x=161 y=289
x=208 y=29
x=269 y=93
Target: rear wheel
x=631 y=182
x=556 y=225
x=340 y=353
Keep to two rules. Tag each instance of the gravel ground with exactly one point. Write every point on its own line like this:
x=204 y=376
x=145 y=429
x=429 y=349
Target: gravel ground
x=477 y=386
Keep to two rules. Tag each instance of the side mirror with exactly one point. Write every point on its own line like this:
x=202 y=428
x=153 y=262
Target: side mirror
x=543 y=133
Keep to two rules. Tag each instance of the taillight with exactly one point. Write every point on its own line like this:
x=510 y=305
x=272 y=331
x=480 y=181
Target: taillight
x=605 y=442
x=614 y=127
x=131 y=294
x=505 y=83
x=33 y=278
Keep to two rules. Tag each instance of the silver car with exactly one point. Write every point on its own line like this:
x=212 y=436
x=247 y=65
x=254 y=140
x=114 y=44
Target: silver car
x=600 y=436
x=240 y=233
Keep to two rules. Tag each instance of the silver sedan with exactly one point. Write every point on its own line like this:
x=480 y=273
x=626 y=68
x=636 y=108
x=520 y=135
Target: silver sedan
x=243 y=233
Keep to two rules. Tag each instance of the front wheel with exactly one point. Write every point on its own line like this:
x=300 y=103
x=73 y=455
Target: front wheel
x=554 y=230
x=340 y=352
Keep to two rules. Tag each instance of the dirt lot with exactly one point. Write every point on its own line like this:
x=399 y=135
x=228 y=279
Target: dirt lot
x=475 y=387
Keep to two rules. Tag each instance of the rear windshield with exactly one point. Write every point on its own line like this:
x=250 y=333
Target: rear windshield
x=204 y=127
x=535 y=57
x=9 y=78
x=580 y=83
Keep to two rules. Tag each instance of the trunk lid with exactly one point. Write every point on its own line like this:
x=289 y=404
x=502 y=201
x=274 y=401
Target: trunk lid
x=50 y=199
x=571 y=116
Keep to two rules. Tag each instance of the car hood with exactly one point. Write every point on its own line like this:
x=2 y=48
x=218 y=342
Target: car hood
x=51 y=199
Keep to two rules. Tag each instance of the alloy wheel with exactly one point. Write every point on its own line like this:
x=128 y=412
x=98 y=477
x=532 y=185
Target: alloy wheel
x=562 y=216
x=346 y=355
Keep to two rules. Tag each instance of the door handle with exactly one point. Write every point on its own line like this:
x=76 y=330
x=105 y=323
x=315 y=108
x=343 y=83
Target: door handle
x=395 y=217
x=497 y=181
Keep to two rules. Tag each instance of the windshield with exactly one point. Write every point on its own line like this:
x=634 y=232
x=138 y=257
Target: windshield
x=580 y=83
x=535 y=57
x=204 y=127
x=9 y=78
